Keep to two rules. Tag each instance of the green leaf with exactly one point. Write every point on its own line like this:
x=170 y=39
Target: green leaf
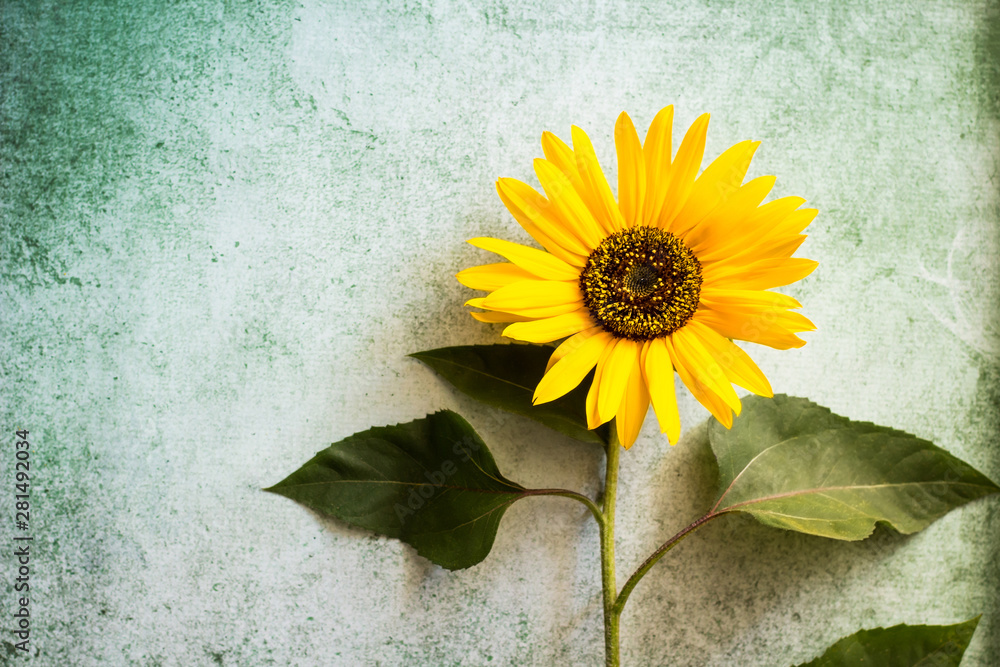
x=431 y=482
x=901 y=646
x=505 y=376
x=795 y=465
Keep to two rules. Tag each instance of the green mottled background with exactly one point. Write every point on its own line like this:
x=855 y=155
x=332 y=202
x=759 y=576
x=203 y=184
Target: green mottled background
x=225 y=224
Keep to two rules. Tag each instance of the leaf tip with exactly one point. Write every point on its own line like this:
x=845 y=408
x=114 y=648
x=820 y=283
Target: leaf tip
x=424 y=357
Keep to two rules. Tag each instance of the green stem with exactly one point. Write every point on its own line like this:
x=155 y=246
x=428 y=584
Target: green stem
x=564 y=493
x=612 y=612
x=605 y=516
x=657 y=555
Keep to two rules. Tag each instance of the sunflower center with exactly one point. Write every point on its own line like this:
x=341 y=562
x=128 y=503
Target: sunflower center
x=640 y=280
x=641 y=283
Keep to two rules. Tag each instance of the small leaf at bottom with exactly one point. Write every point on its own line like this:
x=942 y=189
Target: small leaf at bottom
x=431 y=482
x=901 y=646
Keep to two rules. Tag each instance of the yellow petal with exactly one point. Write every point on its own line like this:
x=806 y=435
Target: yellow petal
x=614 y=379
x=771 y=247
x=631 y=171
x=726 y=219
x=570 y=344
x=569 y=371
x=476 y=302
x=781 y=239
x=536 y=298
x=683 y=170
x=656 y=150
x=659 y=373
x=489 y=277
x=580 y=166
x=568 y=205
x=538 y=262
x=739 y=367
x=750 y=231
x=796 y=221
x=593 y=416
x=745 y=299
x=569 y=163
x=558 y=153
x=708 y=398
x=761 y=275
x=537 y=216
x=491 y=317
x=599 y=198
x=720 y=181
x=550 y=328
x=632 y=411
x=774 y=328
x=700 y=364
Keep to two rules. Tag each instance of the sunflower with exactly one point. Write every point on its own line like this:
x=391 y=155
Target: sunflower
x=661 y=280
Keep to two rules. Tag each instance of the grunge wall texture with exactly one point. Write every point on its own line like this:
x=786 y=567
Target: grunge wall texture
x=225 y=224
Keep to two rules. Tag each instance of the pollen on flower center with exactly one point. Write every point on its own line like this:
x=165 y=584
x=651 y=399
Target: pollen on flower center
x=641 y=283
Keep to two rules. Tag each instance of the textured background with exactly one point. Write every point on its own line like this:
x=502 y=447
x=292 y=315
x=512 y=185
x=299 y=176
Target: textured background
x=226 y=223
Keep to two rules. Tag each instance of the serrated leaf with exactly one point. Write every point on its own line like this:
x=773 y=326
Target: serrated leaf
x=505 y=376
x=901 y=646
x=431 y=483
x=795 y=465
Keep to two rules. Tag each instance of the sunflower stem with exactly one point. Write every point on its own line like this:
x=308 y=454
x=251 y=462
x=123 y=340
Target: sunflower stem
x=612 y=612
x=619 y=604
x=590 y=505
